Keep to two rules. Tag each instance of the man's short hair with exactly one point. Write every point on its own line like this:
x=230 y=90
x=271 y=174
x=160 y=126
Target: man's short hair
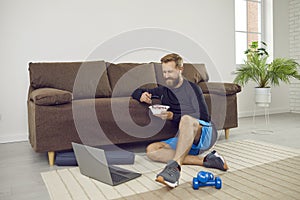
x=173 y=57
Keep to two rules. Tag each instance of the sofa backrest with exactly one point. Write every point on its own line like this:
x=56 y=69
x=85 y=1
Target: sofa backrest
x=117 y=80
x=126 y=77
x=62 y=75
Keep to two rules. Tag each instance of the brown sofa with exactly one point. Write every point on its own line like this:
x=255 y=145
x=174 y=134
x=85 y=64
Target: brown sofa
x=89 y=102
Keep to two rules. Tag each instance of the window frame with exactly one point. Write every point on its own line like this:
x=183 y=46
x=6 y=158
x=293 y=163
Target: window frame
x=262 y=25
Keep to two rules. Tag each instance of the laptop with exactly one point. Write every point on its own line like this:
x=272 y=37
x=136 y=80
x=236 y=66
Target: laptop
x=92 y=162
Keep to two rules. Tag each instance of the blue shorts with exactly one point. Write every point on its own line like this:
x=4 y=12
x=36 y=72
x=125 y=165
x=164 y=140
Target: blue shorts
x=204 y=142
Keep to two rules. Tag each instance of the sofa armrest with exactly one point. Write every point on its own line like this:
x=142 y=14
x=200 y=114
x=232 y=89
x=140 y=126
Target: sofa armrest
x=50 y=96
x=218 y=88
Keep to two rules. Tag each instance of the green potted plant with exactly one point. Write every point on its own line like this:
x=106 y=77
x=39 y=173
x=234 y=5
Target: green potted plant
x=265 y=74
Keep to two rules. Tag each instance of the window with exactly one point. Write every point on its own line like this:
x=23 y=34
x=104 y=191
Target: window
x=248 y=26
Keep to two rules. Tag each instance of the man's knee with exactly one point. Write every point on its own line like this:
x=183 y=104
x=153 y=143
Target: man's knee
x=151 y=150
x=151 y=147
x=189 y=121
x=186 y=119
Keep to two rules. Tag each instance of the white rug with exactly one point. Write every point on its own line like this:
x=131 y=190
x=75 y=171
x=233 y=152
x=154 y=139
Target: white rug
x=70 y=184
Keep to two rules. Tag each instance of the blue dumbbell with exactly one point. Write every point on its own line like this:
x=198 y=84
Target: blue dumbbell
x=217 y=183
x=203 y=176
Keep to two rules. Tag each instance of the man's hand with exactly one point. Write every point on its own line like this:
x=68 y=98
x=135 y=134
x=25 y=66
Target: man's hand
x=167 y=115
x=146 y=97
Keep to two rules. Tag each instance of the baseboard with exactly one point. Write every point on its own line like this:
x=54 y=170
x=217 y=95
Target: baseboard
x=293 y=111
x=261 y=111
x=13 y=138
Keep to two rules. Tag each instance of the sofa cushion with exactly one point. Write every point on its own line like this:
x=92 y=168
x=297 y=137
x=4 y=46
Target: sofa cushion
x=195 y=73
x=126 y=77
x=50 y=96
x=219 y=88
x=62 y=75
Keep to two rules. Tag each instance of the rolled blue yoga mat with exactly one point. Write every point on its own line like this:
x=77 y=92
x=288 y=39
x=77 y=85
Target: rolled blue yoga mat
x=67 y=158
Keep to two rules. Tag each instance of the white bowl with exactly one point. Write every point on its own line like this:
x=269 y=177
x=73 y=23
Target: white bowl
x=158 y=109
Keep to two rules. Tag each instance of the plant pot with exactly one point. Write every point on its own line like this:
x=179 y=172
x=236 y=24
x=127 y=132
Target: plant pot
x=263 y=97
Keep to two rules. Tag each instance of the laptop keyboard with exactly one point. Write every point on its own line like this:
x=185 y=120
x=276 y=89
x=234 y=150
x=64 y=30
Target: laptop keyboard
x=117 y=177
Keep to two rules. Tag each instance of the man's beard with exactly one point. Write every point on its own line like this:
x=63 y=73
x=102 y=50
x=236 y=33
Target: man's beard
x=172 y=82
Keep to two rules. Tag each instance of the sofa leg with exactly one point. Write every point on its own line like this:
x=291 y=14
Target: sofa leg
x=226 y=133
x=51 y=155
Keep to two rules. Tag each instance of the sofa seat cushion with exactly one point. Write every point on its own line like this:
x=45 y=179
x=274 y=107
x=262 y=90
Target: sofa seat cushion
x=103 y=121
x=126 y=77
x=50 y=96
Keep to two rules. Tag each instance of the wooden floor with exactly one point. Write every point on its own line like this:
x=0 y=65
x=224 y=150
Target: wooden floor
x=268 y=182
x=258 y=170
x=20 y=166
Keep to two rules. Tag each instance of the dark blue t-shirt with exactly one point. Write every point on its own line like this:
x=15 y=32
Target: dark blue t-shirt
x=188 y=99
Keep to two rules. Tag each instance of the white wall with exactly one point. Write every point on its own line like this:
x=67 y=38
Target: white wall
x=69 y=30
x=294 y=28
x=281 y=48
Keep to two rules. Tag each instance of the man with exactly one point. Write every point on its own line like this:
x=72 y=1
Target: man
x=189 y=111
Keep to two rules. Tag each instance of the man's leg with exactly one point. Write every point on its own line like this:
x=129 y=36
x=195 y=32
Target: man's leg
x=188 y=134
x=188 y=130
x=162 y=152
